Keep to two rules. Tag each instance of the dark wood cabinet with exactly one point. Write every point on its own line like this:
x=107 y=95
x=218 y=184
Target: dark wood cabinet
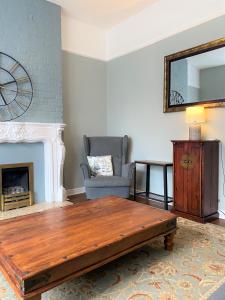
x=196 y=179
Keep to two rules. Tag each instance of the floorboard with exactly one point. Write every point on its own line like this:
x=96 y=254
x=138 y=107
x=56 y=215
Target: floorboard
x=77 y=198
x=220 y=222
x=82 y=197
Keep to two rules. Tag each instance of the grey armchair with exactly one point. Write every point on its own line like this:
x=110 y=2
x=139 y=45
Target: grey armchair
x=101 y=186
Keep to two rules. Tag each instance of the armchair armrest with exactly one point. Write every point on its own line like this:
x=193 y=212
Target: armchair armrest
x=86 y=170
x=128 y=170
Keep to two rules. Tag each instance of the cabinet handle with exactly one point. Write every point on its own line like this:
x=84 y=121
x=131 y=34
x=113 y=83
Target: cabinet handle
x=187 y=162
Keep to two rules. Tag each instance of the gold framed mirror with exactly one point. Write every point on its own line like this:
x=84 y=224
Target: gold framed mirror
x=195 y=76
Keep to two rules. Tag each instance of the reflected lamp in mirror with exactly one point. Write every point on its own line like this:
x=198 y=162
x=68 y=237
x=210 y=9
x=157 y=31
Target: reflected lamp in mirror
x=195 y=116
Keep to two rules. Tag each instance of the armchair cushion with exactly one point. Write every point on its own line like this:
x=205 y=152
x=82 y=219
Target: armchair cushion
x=107 y=181
x=100 y=165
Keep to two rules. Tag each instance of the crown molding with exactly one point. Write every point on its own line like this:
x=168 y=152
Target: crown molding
x=159 y=21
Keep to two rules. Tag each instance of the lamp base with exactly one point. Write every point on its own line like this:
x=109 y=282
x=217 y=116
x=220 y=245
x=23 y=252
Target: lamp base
x=195 y=132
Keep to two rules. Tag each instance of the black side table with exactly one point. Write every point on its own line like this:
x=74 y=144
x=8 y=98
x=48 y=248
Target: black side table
x=161 y=198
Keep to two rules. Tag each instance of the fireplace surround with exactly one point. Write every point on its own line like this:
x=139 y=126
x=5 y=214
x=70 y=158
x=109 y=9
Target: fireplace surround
x=50 y=134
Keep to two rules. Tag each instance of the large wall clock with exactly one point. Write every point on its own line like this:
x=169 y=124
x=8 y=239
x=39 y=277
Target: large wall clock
x=16 y=90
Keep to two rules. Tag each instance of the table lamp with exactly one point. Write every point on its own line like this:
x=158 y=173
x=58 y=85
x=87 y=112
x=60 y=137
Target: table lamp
x=195 y=116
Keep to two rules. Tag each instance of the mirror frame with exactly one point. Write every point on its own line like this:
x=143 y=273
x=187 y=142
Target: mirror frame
x=216 y=44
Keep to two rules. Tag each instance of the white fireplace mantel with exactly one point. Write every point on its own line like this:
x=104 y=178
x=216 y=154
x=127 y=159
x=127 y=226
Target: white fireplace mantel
x=50 y=134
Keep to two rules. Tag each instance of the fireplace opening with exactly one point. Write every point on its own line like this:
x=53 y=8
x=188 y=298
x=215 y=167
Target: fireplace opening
x=16 y=185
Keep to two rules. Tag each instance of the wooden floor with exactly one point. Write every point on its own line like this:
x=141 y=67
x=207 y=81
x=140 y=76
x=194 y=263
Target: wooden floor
x=220 y=222
x=81 y=198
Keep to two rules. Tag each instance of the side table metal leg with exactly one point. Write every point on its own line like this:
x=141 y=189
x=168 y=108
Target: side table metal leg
x=165 y=188
x=147 y=180
x=135 y=181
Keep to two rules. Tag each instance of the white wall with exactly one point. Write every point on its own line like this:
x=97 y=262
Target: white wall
x=160 y=20
x=193 y=75
x=83 y=39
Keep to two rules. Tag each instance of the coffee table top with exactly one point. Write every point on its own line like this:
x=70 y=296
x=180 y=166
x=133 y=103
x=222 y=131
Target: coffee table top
x=36 y=242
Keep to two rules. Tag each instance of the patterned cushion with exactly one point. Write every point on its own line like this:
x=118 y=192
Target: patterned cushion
x=100 y=165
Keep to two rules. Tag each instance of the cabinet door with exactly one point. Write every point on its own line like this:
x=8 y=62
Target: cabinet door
x=180 y=178
x=187 y=177
x=194 y=179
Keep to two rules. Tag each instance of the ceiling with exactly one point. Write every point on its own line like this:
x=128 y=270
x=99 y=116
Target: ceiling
x=102 y=13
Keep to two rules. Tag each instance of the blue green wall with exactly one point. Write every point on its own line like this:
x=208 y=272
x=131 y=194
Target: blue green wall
x=212 y=83
x=84 y=94
x=135 y=101
x=30 y=31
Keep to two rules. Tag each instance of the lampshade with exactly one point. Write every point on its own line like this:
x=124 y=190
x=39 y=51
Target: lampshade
x=195 y=115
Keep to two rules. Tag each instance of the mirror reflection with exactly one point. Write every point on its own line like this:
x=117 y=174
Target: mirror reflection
x=195 y=76
x=198 y=78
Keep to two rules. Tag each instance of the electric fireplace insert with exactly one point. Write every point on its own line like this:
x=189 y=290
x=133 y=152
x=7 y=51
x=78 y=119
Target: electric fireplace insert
x=16 y=185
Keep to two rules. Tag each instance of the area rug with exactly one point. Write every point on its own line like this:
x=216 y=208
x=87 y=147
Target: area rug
x=194 y=270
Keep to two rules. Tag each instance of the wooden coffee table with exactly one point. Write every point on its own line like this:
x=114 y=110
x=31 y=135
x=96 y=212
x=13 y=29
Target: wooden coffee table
x=42 y=250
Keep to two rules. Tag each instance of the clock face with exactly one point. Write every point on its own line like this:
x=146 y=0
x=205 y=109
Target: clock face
x=16 y=91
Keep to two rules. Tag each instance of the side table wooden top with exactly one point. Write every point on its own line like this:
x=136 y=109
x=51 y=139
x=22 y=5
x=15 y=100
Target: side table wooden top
x=154 y=162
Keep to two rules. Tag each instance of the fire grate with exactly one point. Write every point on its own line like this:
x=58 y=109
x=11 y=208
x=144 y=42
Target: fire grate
x=16 y=185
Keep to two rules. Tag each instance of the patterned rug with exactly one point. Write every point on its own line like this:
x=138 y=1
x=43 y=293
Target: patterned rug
x=193 y=271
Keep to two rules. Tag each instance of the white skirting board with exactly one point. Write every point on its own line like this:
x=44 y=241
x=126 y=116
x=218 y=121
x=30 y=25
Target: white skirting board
x=222 y=215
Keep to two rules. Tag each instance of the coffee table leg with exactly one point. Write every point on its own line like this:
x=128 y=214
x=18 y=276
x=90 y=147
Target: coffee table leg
x=168 y=241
